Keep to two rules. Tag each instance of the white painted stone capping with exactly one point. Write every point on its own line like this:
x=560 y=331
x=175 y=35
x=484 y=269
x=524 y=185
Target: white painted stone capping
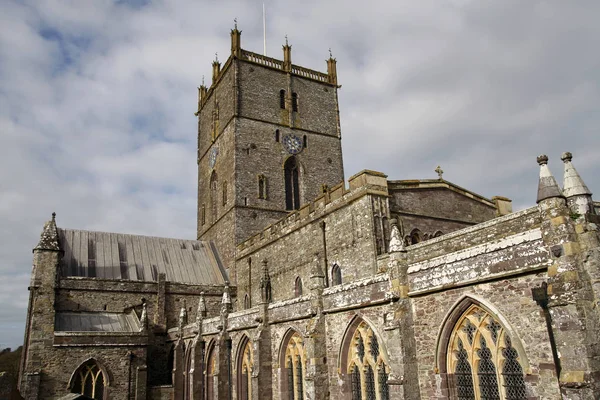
x=532 y=211
x=509 y=241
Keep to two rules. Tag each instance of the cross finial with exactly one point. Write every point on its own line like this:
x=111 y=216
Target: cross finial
x=216 y=57
x=53 y=216
x=330 y=55
x=440 y=172
x=202 y=80
x=286 y=40
x=235 y=23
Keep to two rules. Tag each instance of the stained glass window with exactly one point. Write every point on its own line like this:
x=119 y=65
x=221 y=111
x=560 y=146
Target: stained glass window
x=463 y=375
x=482 y=359
x=295 y=367
x=512 y=372
x=364 y=361
x=356 y=386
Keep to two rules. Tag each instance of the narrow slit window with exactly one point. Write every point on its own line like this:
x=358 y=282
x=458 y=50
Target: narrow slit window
x=305 y=142
x=277 y=135
x=294 y=101
x=262 y=187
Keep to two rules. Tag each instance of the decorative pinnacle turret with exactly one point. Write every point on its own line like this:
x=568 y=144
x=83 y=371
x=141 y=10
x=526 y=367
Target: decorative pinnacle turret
x=226 y=300
x=396 y=242
x=182 y=316
x=201 y=307
x=144 y=317
x=547 y=187
x=573 y=185
x=49 y=236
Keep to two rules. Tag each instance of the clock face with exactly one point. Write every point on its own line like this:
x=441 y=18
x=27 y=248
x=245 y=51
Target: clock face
x=292 y=143
x=212 y=157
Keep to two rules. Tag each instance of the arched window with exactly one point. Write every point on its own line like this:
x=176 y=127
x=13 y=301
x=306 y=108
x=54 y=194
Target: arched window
x=244 y=370
x=415 y=236
x=292 y=188
x=437 y=234
x=336 y=275
x=262 y=187
x=246 y=302
x=293 y=368
x=225 y=193
x=89 y=380
x=210 y=372
x=481 y=360
x=282 y=99
x=298 y=287
x=277 y=135
x=294 y=101
x=213 y=195
x=366 y=370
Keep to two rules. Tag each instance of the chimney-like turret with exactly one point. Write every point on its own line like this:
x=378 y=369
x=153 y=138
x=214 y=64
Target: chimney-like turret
x=236 y=41
x=332 y=69
x=216 y=69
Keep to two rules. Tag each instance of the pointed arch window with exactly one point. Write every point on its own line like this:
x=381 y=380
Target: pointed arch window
x=214 y=185
x=292 y=187
x=292 y=380
x=298 y=287
x=262 y=187
x=210 y=373
x=415 y=236
x=245 y=364
x=282 y=99
x=366 y=366
x=89 y=380
x=481 y=359
x=336 y=275
x=246 y=301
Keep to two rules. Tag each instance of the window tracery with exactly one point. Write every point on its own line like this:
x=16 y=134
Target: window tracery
x=295 y=367
x=481 y=359
x=89 y=380
x=367 y=369
x=245 y=371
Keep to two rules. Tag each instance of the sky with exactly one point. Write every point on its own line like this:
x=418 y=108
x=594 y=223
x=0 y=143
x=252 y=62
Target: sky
x=97 y=102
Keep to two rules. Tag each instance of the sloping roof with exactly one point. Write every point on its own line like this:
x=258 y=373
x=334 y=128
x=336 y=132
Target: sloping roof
x=96 y=322
x=139 y=258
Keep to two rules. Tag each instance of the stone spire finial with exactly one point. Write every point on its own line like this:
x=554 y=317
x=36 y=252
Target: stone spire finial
x=235 y=23
x=265 y=284
x=286 y=40
x=226 y=300
x=396 y=242
x=330 y=54
x=182 y=316
x=49 y=236
x=547 y=187
x=144 y=318
x=573 y=185
x=216 y=57
x=201 y=307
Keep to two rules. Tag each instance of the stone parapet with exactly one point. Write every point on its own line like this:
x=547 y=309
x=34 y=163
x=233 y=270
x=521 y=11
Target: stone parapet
x=364 y=183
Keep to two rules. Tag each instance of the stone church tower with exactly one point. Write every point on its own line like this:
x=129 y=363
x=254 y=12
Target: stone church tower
x=268 y=141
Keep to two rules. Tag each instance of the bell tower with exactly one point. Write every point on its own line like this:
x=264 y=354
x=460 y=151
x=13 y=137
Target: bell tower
x=269 y=141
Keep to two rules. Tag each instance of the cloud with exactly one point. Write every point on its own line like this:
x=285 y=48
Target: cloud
x=97 y=102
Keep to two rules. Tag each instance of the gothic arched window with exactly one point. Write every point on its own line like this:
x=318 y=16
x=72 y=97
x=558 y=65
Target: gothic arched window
x=210 y=372
x=292 y=377
x=246 y=302
x=481 y=359
x=282 y=99
x=368 y=374
x=336 y=275
x=415 y=236
x=89 y=380
x=214 y=184
x=292 y=188
x=262 y=187
x=298 y=287
x=244 y=370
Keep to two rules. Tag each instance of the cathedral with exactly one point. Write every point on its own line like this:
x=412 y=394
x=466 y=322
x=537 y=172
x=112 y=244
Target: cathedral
x=300 y=285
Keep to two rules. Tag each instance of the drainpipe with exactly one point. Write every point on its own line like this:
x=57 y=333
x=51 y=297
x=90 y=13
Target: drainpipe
x=540 y=295
x=325 y=254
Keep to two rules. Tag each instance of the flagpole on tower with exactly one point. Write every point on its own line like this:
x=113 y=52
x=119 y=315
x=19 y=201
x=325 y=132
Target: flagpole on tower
x=264 y=31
